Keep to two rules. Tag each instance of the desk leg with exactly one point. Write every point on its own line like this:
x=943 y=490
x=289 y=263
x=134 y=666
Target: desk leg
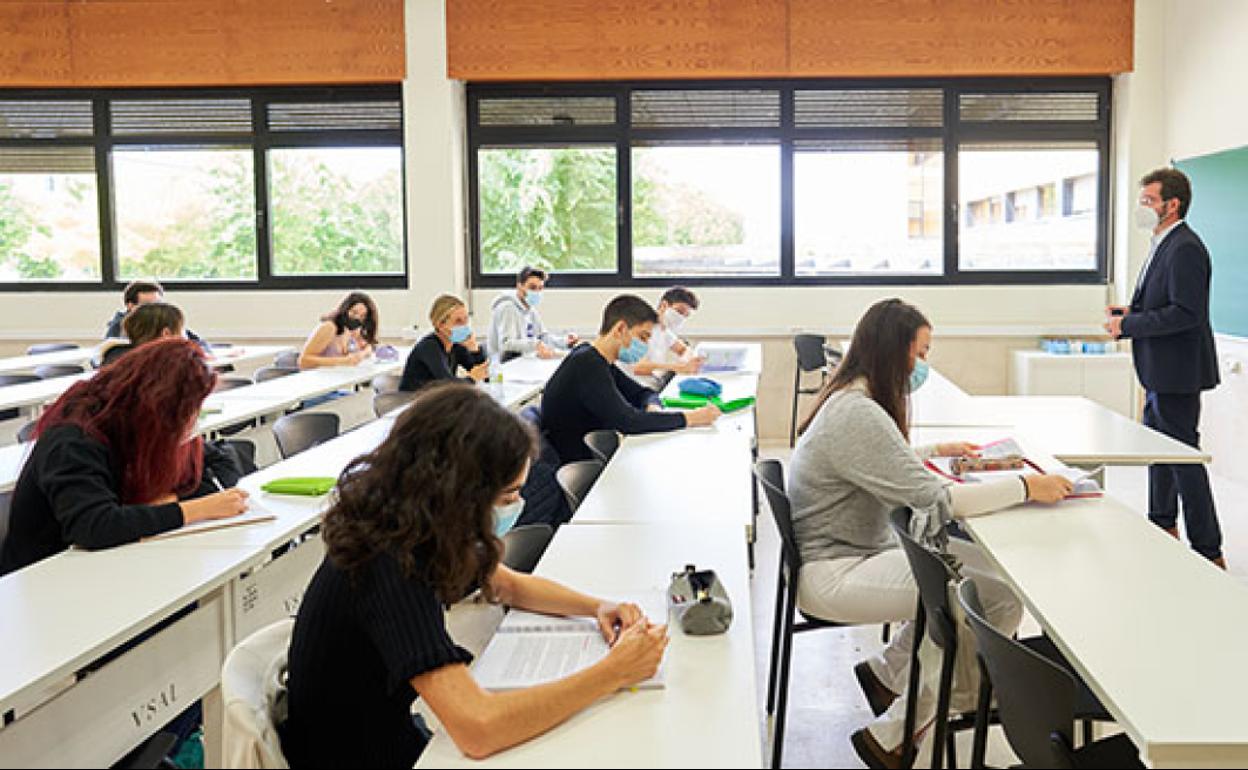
x=214 y=725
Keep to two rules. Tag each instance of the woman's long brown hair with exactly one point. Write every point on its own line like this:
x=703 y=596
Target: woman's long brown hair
x=426 y=495
x=880 y=354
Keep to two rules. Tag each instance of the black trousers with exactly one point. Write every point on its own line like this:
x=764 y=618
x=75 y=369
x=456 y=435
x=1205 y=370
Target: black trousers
x=1178 y=416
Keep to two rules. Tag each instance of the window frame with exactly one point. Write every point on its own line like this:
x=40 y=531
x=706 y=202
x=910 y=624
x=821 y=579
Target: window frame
x=952 y=133
x=259 y=141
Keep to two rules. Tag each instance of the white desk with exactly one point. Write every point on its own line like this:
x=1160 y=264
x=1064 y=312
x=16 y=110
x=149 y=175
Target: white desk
x=55 y=358
x=1155 y=630
x=35 y=394
x=529 y=369
x=706 y=716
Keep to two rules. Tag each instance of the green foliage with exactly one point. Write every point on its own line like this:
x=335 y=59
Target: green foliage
x=16 y=227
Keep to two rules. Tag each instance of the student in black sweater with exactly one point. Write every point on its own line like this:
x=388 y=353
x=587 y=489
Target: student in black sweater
x=589 y=392
x=417 y=523
x=442 y=352
x=113 y=462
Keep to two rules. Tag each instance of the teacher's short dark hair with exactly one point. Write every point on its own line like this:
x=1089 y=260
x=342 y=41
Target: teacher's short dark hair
x=630 y=309
x=1174 y=184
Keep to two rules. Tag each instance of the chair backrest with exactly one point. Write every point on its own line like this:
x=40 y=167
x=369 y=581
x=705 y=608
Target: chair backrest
x=50 y=347
x=386 y=402
x=810 y=355
x=525 y=544
x=287 y=360
x=932 y=575
x=6 y=507
x=770 y=473
x=50 y=371
x=27 y=431
x=17 y=379
x=603 y=444
x=1035 y=696
x=297 y=432
x=246 y=451
x=251 y=682
x=230 y=383
x=576 y=478
x=386 y=383
x=533 y=415
x=265 y=373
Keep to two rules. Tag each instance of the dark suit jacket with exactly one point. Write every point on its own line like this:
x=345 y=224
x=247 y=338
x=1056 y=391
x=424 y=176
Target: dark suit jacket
x=1169 y=319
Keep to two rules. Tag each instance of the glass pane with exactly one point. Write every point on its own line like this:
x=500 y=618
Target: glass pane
x=548 y=207
x=337 y=210
x=1028 y=208
x=868 y=212
x=706 y=210
x=185 y=213
x=49 y=226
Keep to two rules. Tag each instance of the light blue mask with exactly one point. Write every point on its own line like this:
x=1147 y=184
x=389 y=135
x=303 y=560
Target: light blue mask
x=919 y=375
x=505 y=516
x=635 y=351
x=533 y=298
x=460 y=334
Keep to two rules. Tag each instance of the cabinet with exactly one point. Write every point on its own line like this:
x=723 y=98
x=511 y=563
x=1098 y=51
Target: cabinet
x=1107 y=378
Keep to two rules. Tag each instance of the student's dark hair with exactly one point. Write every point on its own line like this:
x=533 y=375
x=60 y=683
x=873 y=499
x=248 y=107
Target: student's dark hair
x=680 y=294
x=528 y=272
x=426 y=495
x=1174 y=184
x=133 y=289
x=630 y=309
x=339 y=316
x=147 y=322
x=880 y=354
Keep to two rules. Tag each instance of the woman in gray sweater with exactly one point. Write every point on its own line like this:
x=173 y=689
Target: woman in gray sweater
x=851 y=468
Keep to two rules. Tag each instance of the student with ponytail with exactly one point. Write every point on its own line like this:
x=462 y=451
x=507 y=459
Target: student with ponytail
x=449 y=347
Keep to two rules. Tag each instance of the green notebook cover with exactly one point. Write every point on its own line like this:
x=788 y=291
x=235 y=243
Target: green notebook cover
x=311 y=486
x=696 y=402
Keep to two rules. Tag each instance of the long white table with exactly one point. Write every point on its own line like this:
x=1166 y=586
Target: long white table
x=706 y=716
x=222 y=355
x=1155 y=630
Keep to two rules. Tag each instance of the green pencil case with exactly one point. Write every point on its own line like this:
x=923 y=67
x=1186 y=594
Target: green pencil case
x=696 y=402
x=310 y=486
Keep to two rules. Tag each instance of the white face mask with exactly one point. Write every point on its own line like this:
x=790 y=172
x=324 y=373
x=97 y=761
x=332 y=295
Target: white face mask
x=673 y=319
x=1146 y=217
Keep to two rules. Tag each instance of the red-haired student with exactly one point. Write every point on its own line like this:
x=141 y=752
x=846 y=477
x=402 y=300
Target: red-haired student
x=117 y=459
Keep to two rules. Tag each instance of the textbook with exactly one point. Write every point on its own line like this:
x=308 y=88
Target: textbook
x=530 y=649
x=1085 y=485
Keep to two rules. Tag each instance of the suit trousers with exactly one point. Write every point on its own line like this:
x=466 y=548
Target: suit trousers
x=1178 y=416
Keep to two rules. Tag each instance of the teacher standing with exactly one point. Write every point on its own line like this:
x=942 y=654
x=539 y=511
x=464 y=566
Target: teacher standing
x=1175 y=358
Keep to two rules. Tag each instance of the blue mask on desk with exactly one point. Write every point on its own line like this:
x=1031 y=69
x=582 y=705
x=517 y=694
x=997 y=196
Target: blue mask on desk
x=635 y=351
x=505 y=516
x=460 y=334
x=919 y=375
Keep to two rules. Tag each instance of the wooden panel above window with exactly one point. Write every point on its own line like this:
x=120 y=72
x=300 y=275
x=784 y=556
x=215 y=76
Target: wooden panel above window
x=105 y=43
x=535 y=40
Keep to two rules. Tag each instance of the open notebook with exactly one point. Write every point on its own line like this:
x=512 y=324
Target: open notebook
x=1085 y=484
x=722 y=358
x=530 y=649
x=253 y=515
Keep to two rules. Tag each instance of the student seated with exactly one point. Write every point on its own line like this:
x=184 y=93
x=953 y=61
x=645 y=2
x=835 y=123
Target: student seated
x=117 y=459
x=344 y=337
x=450 y=346
x=589 y=392
x=852 y=467
x=417 y=525
x=667 y=353
x=139 y=293
x=145 y=323
x=515 y=325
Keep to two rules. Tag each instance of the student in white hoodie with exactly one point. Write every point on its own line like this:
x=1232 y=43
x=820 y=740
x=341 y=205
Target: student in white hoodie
x=516 y=327
x=667 y=352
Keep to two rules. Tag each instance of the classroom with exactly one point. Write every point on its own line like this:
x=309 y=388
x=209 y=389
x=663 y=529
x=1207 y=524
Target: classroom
x=712 y=383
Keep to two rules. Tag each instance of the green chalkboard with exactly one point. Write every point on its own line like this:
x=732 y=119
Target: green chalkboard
x=1219 y=215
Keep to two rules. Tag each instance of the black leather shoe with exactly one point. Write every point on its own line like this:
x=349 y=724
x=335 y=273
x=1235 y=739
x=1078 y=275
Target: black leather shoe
x=872 y=753
x=879 y=697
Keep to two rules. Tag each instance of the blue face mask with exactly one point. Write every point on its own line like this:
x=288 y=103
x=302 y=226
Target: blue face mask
x=533 y=298
x=505 y=516
x=635 y=351
x=919 y=375
x=460 y=334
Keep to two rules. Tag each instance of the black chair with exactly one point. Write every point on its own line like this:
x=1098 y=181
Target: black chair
x=810 y=358
x=266 y=373
x=287 y=360
x=524 y=545
x=231 y=383
x=50 y=347
x=298 y=432
x=576 y=479
x=1038 y=700
x=51 y=371
x=245 y=451
x=14 y=379
x=27 y=431
x=602 y=443
x=770 y=474
x=386 y=402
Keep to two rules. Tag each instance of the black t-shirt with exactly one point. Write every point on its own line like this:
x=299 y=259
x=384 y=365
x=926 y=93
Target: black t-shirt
x=587 y=393
x=430 y=362
x=357 y=644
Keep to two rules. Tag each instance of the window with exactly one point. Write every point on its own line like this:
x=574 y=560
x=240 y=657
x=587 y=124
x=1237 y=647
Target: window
x=790 y=182
x=246 y=188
